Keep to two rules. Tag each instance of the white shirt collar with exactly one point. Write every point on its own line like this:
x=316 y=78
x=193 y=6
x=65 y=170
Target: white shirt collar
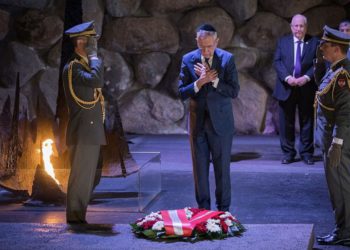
x=296 y=39
x=210 y=59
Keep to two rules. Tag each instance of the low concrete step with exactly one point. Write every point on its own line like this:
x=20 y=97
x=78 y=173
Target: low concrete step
x=119 y=236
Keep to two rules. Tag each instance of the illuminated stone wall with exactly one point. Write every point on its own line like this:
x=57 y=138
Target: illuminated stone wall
x=142 y=42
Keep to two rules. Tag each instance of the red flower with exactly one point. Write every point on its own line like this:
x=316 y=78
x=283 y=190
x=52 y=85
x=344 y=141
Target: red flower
x=217 y=217
x=148 y=224
x=195 y=210
x=201 y=228
x=224 y=226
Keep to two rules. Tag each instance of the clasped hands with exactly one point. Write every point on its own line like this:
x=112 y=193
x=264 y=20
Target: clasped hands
x=334 y=155
x=300 y=81
x=205 y=74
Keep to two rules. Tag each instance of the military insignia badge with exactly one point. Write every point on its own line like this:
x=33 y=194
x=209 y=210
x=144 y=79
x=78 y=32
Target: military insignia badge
x=341 y=82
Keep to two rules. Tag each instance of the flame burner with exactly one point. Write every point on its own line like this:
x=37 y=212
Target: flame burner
x=46 y=188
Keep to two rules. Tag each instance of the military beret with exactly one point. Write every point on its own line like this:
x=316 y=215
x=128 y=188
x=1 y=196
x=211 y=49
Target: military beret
x=83 y=29
x=334 y=36
x=206 y=27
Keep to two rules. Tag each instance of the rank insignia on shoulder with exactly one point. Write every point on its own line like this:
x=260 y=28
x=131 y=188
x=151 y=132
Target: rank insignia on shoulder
x=341 y=82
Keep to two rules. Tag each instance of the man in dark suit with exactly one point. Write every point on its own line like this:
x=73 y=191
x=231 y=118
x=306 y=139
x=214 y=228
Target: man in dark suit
x=83 y=80
x=209 y=78
x=333 y=129
x=295 y=88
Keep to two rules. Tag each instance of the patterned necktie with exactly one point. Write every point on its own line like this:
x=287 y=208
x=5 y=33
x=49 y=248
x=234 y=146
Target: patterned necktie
x=207 y=62
x=297 y=66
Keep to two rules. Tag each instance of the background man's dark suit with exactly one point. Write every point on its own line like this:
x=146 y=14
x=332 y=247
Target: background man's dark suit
x=211 y=124
x=85 y=134
x=290 y=97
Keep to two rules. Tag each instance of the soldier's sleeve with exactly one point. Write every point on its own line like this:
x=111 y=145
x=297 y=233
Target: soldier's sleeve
x=93 y=79
x=341 y=97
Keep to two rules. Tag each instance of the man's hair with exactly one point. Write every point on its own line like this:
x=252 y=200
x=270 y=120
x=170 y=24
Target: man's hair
x=74 y=41
x=300 y=15
x=343 y=47
x=206 y=30
x=344 y=21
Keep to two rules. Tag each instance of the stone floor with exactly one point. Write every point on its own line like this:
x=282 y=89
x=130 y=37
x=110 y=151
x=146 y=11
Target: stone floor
x=264 y=193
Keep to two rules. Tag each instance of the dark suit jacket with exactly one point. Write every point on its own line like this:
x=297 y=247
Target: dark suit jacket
x=284 y=65
x=85 y=126
x=216 y=101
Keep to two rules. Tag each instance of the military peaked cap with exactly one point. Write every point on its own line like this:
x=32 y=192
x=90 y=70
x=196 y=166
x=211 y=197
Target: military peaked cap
x=335 y=36
x=83 y=29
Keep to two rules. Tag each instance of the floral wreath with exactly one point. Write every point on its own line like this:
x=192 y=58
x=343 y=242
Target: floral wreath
x=190 y=224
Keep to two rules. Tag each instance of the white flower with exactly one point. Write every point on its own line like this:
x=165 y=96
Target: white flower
x=225 y=215
x=228 y=222
x=213 y=226
x=153 y=216
x=188 y=213
x=159 y=225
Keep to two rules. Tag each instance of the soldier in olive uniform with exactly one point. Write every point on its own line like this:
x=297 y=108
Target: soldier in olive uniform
x=83 y=80
x=333 y=130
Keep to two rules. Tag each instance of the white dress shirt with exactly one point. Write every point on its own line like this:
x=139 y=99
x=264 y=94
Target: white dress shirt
x=295 y=42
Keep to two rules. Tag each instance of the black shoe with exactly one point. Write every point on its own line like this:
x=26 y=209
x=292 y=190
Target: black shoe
x=76 y=222
x=323 y=237
x=332 y=240
x=223 y=209
x=307 y=160
x=287 y=160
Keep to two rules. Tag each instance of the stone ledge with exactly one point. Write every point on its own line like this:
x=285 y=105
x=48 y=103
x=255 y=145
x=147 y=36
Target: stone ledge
x=119 y=236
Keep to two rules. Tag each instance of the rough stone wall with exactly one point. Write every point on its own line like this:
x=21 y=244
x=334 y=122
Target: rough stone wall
x=142 y=42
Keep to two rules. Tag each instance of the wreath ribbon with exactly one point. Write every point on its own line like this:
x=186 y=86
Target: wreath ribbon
x=176 y=222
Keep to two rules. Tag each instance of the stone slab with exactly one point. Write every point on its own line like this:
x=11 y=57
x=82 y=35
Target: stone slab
x=119 y=236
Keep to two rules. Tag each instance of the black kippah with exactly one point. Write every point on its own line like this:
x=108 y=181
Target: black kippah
x=206 y=27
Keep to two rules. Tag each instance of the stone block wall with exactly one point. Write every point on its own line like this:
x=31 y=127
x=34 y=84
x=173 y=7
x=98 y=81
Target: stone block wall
x=142 y=42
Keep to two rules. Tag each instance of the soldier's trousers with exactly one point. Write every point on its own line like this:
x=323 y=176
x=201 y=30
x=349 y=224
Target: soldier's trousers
x=338 y=180
x=84 y=160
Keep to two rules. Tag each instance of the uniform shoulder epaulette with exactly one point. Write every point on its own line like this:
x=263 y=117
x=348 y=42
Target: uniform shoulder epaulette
x=341 y=78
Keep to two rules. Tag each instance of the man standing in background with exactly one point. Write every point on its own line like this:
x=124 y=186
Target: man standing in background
x=344 y=27
x=209 y=78
x=295 y=89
